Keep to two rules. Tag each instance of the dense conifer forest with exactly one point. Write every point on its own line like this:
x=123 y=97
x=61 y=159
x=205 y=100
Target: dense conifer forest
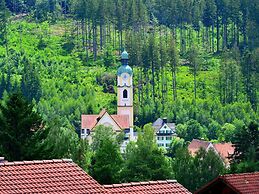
x=195 y=62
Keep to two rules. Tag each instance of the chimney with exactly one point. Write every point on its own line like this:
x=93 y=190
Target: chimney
x=165 y=120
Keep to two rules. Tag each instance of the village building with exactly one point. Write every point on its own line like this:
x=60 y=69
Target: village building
x=224 y=150
x=123 y=121
x=164 y=132
x=66 y=177
x=197 y=144
x=243 y=183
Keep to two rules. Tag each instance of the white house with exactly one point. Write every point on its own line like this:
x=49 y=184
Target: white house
x=164 y=132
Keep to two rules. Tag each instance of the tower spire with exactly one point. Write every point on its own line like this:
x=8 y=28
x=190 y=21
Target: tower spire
x=125 y=88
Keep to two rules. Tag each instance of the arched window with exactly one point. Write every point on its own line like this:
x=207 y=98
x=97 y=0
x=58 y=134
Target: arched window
x=125 y=94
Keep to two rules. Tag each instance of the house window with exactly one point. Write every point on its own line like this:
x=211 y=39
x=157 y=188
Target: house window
x=160 y=145
x=125 y=94
x=83 y=131
x=168 y=138
x=160 y=138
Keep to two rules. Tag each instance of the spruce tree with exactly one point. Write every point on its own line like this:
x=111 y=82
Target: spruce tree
x=30 y=84
x=18 y=123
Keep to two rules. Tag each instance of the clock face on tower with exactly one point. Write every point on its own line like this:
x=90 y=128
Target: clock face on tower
x=125 y=77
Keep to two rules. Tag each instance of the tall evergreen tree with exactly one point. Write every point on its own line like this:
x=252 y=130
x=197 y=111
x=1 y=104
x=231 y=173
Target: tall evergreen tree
x=18 y=123
x=243 y=147
x=173 y=63
x=30 y=84
x=209 y=15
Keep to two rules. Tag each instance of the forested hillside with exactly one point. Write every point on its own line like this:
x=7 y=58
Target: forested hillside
x=192 y=59
x=195 y=62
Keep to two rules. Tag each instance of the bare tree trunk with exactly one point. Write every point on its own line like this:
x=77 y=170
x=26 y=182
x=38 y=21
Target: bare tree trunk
x=114 y=37
x=77 y=35
x=218 y=37
x=212 y=39
x=95 y=41
x=83 y=33
x=174 y=83
x=121 y=40
x=225 y=35
x=153 y=80
x=86 y=40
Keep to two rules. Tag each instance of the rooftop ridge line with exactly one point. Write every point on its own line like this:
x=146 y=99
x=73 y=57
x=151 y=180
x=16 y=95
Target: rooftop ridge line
x=140 y=183
x=16 y=163
x=240 y=174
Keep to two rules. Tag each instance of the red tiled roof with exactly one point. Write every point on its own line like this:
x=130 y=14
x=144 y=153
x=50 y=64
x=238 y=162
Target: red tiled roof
x=47 y=176
x=121 y=120
x=196 y=144
x=151 y=187
x=225 y=150
x=243 y=183
x=90 y=121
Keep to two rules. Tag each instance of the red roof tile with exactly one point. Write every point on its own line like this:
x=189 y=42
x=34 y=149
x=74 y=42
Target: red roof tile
x=121 y=120
x=151 y=187
x=225 y=150
x=243 y=183
x=90 y=121
x=196 y=144
x=47 y=176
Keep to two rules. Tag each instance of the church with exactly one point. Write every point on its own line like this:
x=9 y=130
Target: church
x=124 y=119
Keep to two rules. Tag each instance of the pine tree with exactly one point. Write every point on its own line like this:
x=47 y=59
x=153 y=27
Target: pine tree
x=209 y=15
x=243 y=147
x=30 y=84
x=195 y=60
x=18 y=123
x=173 y=63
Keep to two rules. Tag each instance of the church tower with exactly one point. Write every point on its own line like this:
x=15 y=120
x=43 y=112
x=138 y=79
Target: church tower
x=125 y=89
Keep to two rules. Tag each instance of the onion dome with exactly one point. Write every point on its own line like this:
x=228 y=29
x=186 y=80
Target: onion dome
x=124 y=68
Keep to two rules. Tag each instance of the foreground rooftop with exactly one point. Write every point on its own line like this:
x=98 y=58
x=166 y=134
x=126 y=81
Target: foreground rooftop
x=66 y=177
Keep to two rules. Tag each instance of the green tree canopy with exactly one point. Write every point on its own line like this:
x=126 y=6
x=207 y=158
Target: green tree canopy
x=194 y=172
x=144 y=160
x=176 y=144
x=246 y=155
x=18 y=123
x=107 y=160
